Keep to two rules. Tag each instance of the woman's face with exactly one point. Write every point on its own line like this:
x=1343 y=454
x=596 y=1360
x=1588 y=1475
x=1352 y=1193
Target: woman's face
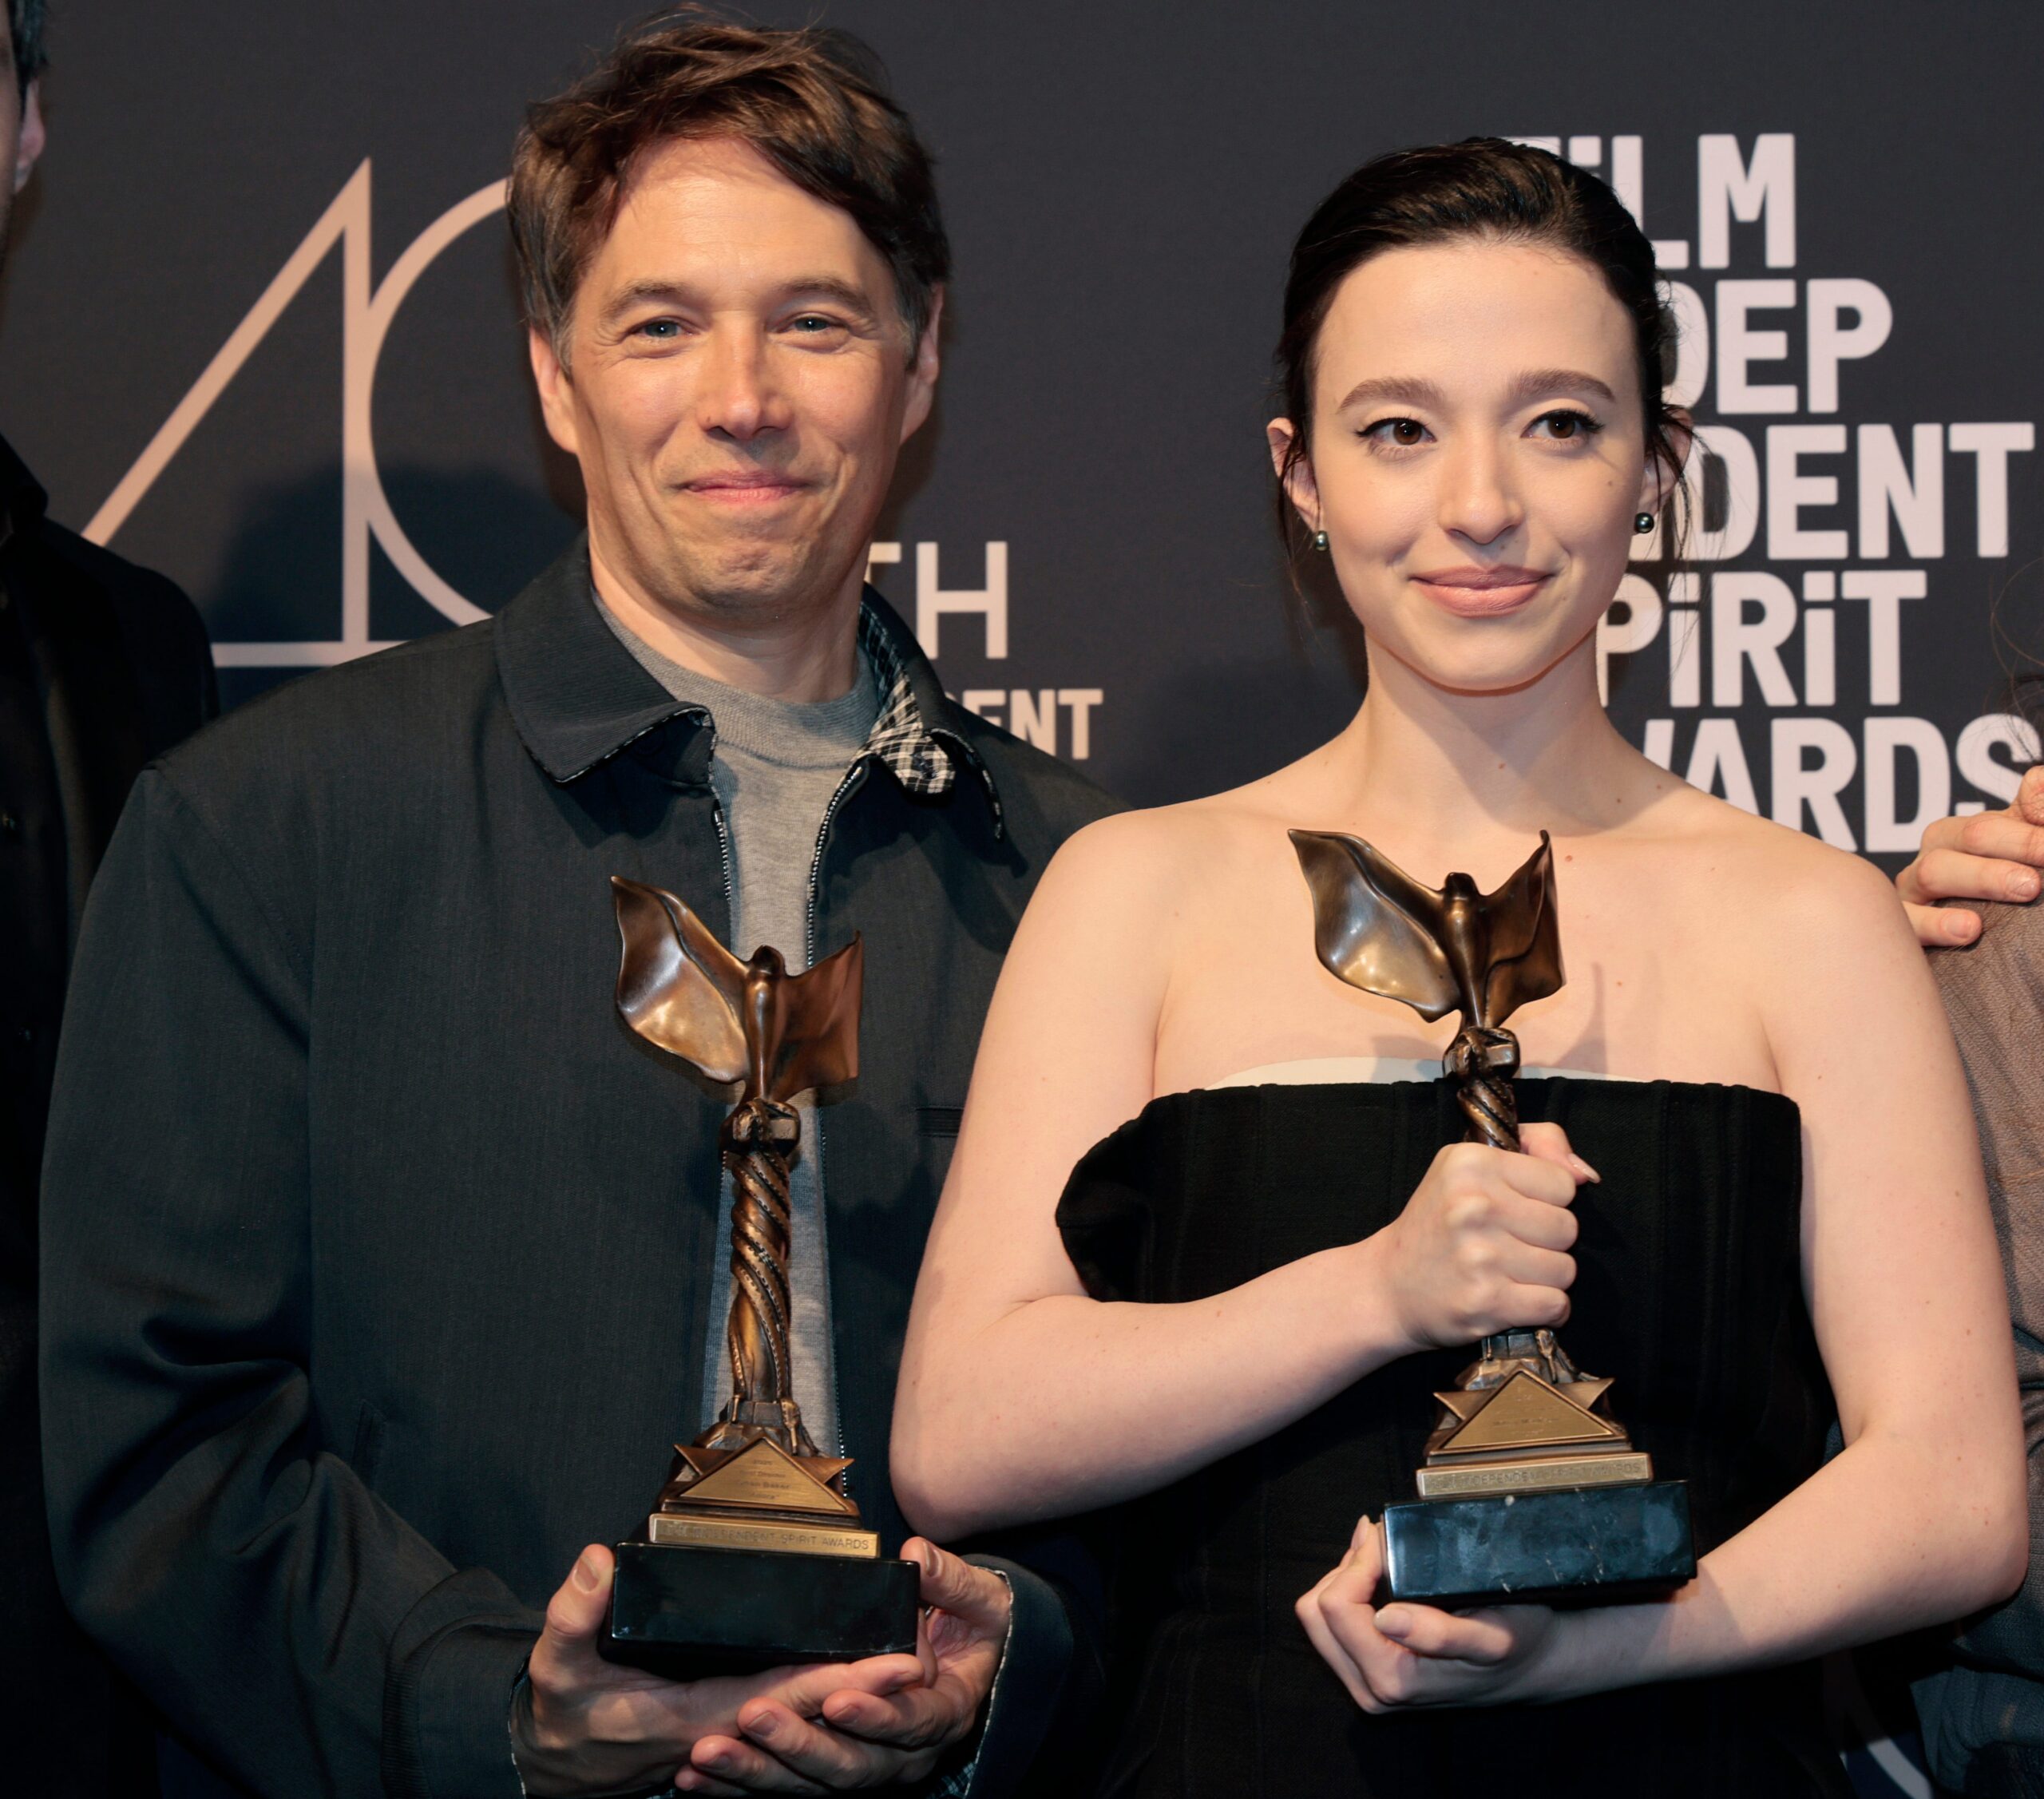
x=1477 y=455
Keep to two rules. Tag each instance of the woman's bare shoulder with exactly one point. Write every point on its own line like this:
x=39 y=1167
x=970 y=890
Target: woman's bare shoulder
x=1784 y=890
x=1169 y=839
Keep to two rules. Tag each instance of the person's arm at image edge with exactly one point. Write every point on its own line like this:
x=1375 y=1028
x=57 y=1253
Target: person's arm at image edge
x=1982 y=856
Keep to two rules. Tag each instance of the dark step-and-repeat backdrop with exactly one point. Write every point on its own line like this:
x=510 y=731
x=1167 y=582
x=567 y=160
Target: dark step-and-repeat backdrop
x=259 y=331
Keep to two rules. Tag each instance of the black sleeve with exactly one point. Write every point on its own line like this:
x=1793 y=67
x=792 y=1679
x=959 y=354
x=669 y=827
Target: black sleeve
x=1039 y=1736
x=297 y=1632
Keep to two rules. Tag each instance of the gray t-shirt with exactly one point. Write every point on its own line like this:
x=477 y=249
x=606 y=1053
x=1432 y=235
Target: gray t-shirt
x=777 y=765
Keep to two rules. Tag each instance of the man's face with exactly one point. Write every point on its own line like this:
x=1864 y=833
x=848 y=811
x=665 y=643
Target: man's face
x=738 y=382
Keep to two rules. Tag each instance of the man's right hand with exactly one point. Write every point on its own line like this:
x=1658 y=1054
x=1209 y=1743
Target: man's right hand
x=582 y=1724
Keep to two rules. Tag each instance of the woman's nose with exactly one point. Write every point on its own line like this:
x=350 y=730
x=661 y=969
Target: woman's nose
x=1478 y=500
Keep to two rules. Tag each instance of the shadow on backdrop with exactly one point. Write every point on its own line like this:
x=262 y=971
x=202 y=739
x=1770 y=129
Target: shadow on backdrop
x=485 y=534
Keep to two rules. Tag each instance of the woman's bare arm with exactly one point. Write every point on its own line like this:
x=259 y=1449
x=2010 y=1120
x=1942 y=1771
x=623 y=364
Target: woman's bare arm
x=1922 y=1517
x=1021 y=1398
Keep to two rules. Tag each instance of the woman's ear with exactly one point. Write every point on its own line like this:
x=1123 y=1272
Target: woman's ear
x=1288 y=457
x=1659 y=480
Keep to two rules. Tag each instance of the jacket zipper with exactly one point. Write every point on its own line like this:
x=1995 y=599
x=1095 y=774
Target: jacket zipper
x=854 y=779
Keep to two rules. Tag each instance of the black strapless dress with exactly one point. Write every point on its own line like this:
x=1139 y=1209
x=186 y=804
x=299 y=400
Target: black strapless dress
x=1688 y=1291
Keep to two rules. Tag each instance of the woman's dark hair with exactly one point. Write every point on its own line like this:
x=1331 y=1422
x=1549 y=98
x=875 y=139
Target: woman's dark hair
x=1486 y=189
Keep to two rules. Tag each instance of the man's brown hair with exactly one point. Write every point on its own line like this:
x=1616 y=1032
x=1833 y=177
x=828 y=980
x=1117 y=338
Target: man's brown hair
x=812 y=102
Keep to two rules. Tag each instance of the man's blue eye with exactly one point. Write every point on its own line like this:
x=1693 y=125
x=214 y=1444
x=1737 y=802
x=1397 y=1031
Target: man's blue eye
x=659 y=327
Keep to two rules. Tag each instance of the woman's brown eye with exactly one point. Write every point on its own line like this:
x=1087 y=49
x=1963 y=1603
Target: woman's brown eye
x=1407 y=431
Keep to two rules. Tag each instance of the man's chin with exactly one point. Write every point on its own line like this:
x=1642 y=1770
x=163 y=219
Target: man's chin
x=749 y=584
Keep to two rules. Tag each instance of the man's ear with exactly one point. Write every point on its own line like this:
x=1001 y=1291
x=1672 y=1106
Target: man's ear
x=923 y=369
x=29 y=146
x=557 y=391
x=1299 y=486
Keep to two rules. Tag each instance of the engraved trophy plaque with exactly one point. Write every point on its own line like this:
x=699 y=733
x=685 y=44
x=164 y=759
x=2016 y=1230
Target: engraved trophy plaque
x=753 y=1556
x=1531 y=1491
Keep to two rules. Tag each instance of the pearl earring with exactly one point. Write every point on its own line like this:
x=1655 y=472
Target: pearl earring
x=1642 y=522
x=1320 y=541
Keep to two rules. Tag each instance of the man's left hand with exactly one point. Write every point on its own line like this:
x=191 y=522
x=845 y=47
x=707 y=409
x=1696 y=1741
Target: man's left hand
x=1988 y=856
x=865 y=1739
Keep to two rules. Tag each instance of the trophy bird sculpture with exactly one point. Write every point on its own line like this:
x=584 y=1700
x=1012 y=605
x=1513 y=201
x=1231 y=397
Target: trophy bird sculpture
x=1448 y=950
x=754 y=1555
x=1529 y=1488
x=780 y=1034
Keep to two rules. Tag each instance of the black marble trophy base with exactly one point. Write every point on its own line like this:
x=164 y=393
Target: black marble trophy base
x=683 y=1612
x=1580 y=1546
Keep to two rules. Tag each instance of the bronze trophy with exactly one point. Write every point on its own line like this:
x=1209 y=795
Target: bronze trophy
x=754 y=1556
x=1531 y=1491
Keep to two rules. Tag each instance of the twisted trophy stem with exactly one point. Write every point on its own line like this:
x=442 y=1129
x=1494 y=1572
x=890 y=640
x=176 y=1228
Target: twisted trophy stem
x=759 y=1138
x=1484 y=1060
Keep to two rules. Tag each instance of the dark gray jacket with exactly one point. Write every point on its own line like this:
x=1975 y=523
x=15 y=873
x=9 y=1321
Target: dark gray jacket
x=376 y=1251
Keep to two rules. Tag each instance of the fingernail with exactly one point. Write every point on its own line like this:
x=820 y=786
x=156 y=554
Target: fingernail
x=1581 y=1169
x=763 y=1726
x=1394 y=1620
x=585 y=1570
x=2022 y=886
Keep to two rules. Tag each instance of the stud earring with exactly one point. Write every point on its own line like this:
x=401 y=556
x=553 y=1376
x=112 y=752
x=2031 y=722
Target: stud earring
x=1320 y=541
x=1642 y=522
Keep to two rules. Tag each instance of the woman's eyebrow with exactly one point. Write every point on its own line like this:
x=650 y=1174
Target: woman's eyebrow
x=1537 y=382
x=1409 y=389
x=1415 y=390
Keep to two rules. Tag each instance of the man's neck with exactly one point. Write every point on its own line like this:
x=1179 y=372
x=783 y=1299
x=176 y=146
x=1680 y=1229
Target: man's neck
x=811 y=654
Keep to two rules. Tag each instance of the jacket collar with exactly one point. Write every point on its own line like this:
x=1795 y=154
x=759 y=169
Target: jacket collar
x=577 y=696
x=22 y=501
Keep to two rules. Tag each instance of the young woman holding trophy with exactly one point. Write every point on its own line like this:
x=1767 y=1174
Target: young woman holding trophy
x=1749 y=1182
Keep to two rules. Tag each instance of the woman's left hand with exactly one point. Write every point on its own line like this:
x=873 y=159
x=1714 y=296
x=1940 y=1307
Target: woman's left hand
x=1404 y=1655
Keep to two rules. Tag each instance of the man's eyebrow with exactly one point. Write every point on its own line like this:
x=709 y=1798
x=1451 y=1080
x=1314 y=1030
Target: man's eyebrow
x=828 y=288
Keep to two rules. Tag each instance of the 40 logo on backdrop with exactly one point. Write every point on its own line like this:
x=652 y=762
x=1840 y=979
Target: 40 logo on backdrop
x=365 y=513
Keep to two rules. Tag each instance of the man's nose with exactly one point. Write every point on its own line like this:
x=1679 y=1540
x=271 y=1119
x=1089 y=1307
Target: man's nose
x=739 y=395
x=1479 y=499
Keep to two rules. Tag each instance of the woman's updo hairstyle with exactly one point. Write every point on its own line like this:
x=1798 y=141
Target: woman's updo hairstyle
x=1484 y=188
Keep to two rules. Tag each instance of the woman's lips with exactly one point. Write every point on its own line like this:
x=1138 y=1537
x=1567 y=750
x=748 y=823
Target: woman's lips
x=1480 y=593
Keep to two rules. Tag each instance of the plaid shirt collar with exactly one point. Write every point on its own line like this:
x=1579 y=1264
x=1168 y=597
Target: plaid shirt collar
x=913 y=737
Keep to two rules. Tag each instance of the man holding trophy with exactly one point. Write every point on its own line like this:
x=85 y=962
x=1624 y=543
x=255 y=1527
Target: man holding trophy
x=426 y=1236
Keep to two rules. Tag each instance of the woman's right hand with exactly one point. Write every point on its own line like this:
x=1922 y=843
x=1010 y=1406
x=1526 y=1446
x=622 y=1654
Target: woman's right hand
x=1481 y=1246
